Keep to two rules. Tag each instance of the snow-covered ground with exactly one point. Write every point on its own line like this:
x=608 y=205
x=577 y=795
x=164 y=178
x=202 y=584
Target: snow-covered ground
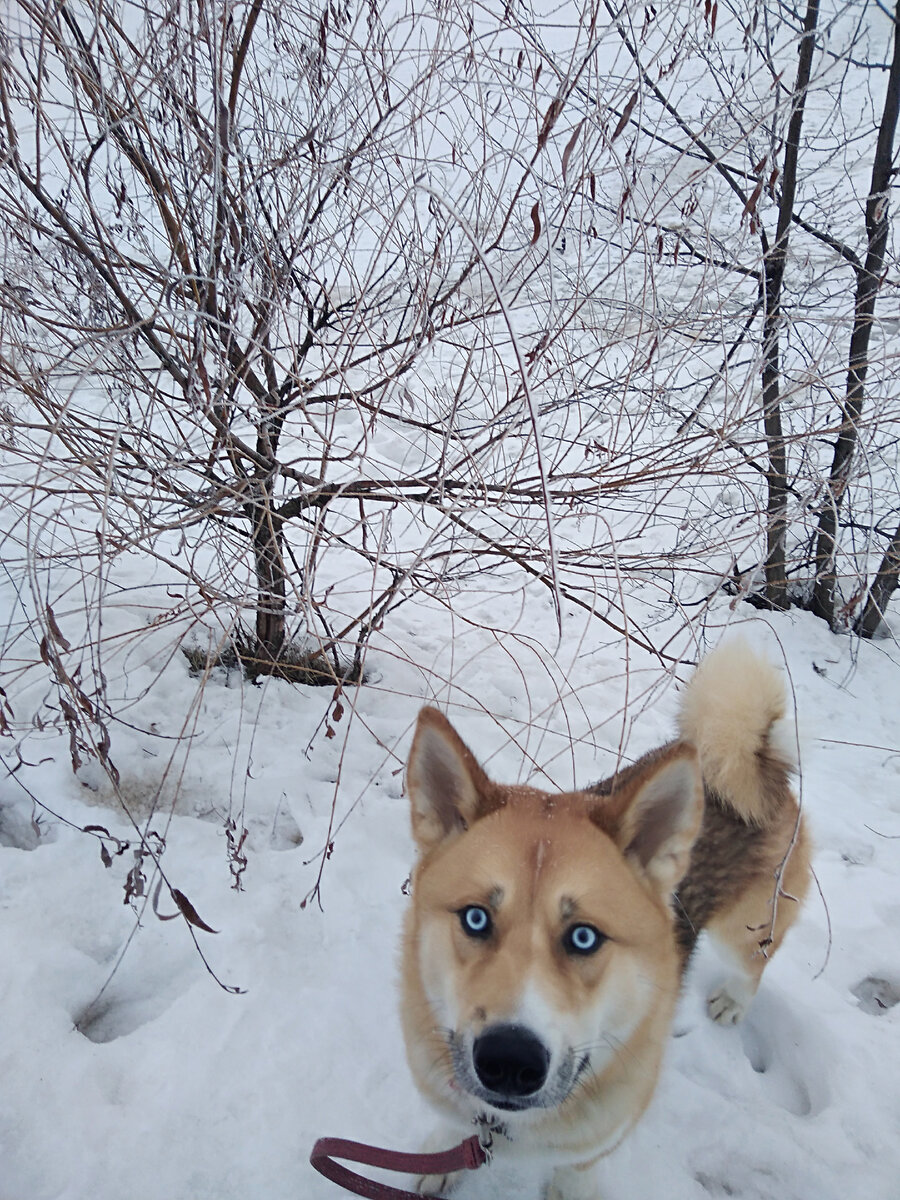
x=128 y=1072
x=145 y=1059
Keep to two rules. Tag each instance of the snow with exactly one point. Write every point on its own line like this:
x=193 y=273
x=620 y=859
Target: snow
x=147 y=1060
x=129 y=1072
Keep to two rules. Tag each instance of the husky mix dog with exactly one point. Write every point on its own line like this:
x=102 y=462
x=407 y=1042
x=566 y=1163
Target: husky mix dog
x=549 y=931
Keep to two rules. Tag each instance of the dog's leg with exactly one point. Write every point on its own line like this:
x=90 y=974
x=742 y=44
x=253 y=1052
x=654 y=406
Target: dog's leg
x=728 y=1003
x=573 y=1183
x=748 y=936
x=438 y=1185
x=443 y=1138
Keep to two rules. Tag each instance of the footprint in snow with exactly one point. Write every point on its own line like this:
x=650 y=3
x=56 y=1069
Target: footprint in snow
x=857 y=853
x=118 y=1013
x=788 y=1057
x=876 y=995
x=715 y=1185
x=143 y=987
x=19 y=830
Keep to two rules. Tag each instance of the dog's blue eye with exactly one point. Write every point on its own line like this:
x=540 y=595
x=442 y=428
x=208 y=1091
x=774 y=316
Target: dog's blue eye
x=475 y=920
x=583 y=939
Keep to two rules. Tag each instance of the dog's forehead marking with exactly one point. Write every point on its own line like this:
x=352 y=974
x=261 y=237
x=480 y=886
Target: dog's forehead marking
x=539 y=857
x=540 y=853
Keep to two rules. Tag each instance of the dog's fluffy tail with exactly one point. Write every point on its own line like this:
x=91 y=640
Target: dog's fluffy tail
x=733 y=713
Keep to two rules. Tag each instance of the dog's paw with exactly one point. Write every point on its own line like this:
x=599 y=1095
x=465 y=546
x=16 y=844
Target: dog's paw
x=572 y=1183
x=438 y=1185
x=725 y=1008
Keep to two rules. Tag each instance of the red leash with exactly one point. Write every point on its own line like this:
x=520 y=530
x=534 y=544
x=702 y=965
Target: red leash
x=467 y=1156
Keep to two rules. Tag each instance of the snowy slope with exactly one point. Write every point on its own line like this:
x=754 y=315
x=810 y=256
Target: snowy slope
x=128 y=1072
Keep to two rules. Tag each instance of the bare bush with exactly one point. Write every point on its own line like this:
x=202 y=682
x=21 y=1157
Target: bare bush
x=320 y=309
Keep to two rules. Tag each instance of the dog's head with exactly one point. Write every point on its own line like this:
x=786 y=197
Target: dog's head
x=539 y=950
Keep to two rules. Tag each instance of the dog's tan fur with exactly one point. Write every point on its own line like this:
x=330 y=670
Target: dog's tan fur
x=694 y=835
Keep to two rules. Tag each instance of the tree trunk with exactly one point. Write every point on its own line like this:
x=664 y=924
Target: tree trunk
x=776 y=475
x=883 y=587
x=773 y=276
x=868 y=282
x=268 y=547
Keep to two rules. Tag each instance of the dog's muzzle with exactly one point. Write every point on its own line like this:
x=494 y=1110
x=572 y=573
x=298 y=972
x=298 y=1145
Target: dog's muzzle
x=511 y=1064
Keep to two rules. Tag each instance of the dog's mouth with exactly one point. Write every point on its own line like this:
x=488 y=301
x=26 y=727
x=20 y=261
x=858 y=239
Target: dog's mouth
x=510 y=1069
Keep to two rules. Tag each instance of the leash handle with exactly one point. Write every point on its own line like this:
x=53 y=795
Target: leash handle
x=467 y=1156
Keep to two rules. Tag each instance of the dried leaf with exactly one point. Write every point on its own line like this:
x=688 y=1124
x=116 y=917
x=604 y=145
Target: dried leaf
x=623 y=203
x=155 y=842
x=134 y=883
x=155 y=902
x=625 y=117
x=570 y=146
x=550 y=119
x=649 y=18
x=185 y=908
x=55 y=630
x=188 y=911
x=752 y=200
x=105 y=856
x=536 y=218
x=538 y=348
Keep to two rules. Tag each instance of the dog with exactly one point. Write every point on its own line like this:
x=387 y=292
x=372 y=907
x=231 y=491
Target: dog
x=549 y=933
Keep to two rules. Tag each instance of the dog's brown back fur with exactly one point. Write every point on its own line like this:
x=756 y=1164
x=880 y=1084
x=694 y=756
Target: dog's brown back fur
x=731 y=856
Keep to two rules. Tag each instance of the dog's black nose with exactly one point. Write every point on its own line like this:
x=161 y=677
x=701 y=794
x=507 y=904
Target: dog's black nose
x=510 y=1061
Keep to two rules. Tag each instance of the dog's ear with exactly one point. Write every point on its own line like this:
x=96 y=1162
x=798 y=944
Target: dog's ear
x=655 y=817
x=447 y=788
